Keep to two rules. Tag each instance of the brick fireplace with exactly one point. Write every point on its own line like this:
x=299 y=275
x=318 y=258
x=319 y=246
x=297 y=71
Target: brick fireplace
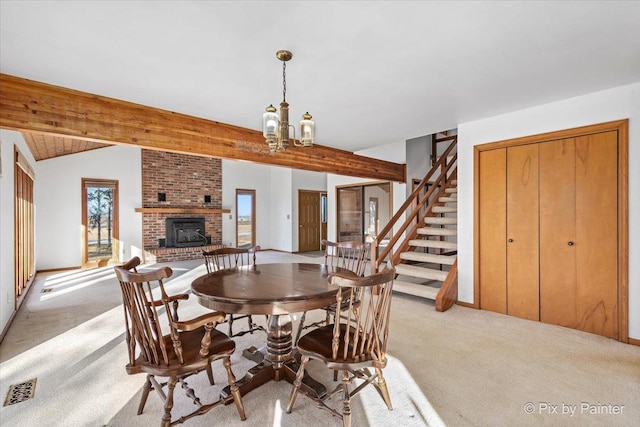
x=184 y=189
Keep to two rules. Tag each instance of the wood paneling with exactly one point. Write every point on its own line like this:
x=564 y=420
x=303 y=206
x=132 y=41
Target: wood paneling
x=492 y=230
x=522 y=232
x=46 y=146
x=29 y=106
x=558 y=283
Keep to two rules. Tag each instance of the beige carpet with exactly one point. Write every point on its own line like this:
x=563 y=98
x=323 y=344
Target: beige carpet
x=474 y=368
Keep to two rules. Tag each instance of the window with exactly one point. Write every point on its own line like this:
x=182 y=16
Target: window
x=245 y=218
x=100 y=222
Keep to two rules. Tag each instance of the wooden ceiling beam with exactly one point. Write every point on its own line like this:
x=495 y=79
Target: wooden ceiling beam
x=30 y=106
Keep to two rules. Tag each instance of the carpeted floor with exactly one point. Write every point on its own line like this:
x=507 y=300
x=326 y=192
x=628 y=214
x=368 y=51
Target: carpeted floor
x=464 y=367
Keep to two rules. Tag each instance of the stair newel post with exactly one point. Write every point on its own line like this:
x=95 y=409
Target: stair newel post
x=374 y=256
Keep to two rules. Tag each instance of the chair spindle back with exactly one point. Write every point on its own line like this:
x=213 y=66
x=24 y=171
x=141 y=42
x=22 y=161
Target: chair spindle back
x=366 y=317
x=142 y=317
x=351 y=255
x=223 y=258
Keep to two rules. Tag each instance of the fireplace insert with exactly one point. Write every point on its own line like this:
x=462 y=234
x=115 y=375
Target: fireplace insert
x=184 y=232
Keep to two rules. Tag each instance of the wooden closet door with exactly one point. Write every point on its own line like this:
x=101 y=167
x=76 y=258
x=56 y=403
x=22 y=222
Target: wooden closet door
x=597 y=233
x=492 y=230
x=522 y=232
x=558 y=285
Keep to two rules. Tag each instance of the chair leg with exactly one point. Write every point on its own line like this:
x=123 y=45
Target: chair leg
x=297 y=383
x=235 y=391
x=145 y=393
x=210 y=374
x=300 y=326
x=346 y=400
x=381 y=386
x=168 y=403
x=250 y=320
x=231 y=325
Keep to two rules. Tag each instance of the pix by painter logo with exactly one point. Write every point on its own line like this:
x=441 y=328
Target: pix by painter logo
x=587 y=408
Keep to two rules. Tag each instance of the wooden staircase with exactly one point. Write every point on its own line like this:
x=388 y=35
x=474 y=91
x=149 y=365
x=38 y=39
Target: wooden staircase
x=426 y=263
x=423 y=248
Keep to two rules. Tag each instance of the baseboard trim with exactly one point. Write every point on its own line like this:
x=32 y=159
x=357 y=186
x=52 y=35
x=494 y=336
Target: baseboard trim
x=467 y=304
x=49 y=270
x=6 y=327
x=634 y=341
x=19 y=303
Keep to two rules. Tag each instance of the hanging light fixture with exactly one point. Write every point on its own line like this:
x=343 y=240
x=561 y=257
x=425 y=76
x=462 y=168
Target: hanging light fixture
x=275 y=128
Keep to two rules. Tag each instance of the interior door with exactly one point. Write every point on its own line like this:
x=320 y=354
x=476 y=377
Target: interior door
x=308 y=221
x=523 y=232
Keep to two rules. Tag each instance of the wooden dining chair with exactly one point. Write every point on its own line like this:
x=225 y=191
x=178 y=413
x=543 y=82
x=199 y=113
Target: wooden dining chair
x=189 y=347
x=354 y=343
x=225 y=258
x=351 y=255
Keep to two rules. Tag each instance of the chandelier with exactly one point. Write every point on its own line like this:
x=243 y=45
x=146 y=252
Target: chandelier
x=275 y=128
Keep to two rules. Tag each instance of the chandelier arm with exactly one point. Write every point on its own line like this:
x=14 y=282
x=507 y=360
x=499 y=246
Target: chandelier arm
x=295 y=142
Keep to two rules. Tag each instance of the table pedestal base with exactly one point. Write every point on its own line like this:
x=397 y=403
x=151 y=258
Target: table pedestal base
x=276 y=363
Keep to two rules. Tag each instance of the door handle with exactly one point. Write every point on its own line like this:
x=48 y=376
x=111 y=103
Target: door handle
x=510 y=240
x=570 y=243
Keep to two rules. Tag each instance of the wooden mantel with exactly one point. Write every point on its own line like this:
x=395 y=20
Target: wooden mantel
x=30 y=106
x=183 y=210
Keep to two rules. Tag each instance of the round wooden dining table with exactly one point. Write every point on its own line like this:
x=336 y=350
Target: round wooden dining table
x=276 y=290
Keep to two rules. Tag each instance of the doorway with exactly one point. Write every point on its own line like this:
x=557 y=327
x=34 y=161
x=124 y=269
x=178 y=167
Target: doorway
x=99 y=222
x=362 y=211
x=245 y=218
x=312 y=219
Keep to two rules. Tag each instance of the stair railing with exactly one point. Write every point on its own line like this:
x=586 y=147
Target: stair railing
x=446 y=169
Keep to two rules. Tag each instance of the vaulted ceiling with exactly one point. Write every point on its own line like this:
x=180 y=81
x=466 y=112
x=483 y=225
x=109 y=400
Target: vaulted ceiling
x=371 y=73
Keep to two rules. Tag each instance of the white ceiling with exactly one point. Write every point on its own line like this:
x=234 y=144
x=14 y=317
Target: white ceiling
x=371 y=73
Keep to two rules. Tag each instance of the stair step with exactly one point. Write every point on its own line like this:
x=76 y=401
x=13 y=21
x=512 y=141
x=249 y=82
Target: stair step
x=432 y=258
x=426 y=243
x=448 y=199
x=422 y=291
x=422 y=272
x=437 y=231
x=450 y=190
x=444 y=209
x=440 y=220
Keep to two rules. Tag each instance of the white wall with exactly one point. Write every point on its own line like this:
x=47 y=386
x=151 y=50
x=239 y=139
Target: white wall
x=9 y=139
x=281 y=209
x=276 y=201
x=246 y=176
x=614 y=104
x=58 y=201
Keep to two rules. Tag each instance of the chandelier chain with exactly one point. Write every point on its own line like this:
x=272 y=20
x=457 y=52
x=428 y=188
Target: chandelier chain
x=284 y=81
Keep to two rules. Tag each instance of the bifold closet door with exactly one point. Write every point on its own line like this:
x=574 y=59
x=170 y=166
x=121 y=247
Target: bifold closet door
x=523 y=288
x=558 y=285
x=579 y=232
x=493 y=230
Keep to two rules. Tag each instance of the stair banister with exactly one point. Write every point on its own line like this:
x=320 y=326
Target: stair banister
x=377 y=257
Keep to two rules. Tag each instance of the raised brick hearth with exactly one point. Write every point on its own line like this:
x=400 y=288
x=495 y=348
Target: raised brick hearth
x=185 y=181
